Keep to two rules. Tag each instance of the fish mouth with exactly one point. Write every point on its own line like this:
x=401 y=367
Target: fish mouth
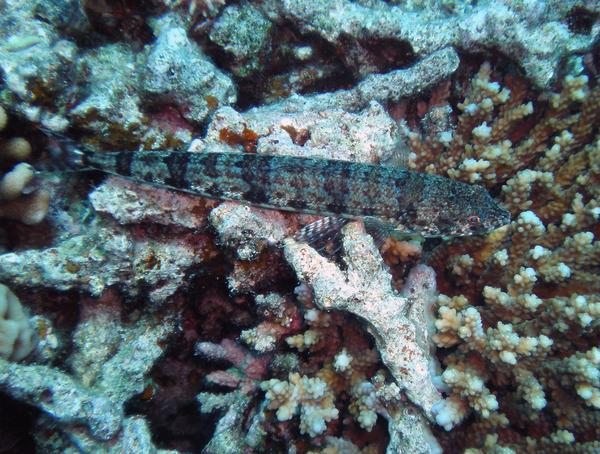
x=497 y=219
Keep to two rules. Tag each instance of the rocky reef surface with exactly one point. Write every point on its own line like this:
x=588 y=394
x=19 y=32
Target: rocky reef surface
x=137 y=319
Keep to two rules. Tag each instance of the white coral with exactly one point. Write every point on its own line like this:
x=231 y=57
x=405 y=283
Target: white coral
x=308 y=396
x=342 y=361
x=398 y=322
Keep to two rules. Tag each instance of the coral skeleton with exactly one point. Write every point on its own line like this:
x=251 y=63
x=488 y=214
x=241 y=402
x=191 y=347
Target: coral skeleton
x=399 y=323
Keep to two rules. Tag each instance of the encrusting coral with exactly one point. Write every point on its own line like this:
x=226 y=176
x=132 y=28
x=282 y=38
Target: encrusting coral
x=521 y=306
x=17 y=200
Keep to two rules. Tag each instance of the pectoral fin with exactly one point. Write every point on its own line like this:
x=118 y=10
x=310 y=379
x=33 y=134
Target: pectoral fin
x=379 y=230
x=324 y=235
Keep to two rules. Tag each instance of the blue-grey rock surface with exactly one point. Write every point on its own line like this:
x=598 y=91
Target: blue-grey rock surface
x=244 y=33
x=535 y=34
x=176 y=71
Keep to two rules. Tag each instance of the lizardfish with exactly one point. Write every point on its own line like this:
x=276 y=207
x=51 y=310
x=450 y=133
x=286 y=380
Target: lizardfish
x=391 y=199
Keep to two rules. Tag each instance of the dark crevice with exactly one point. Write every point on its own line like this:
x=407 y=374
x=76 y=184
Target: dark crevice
x=387 y=54
x=168 y=401
x=581 y=20
x=272 y=82
x=328 y=68
x=120 y=20
x=16 y=425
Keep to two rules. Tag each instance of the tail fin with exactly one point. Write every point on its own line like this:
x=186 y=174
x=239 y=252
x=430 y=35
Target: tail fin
x=64 y=154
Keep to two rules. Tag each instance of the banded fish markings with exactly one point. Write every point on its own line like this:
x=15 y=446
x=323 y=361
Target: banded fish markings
x=399 y=199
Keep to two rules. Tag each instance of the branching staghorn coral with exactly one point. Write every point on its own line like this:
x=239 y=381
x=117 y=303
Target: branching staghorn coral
x=282 y=318
x=519 y=308
x=311 y=397
x=347 y=361
x=233 y=432
x=272 y=394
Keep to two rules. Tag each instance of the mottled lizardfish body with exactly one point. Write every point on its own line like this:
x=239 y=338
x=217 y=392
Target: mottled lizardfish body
x=408 y=202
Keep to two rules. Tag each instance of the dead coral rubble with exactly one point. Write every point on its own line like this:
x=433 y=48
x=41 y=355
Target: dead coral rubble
x=102 y=257
x=398 y=323
x=518 y=29
x=108 y=365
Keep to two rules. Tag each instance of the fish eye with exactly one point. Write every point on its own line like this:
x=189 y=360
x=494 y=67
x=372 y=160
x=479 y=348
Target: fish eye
x=473 y=220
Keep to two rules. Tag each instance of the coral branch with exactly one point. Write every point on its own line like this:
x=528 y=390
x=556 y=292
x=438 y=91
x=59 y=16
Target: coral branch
x=364 y=289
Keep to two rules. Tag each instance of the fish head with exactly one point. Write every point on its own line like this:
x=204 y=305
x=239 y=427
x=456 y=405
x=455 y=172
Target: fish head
x=459 y=209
